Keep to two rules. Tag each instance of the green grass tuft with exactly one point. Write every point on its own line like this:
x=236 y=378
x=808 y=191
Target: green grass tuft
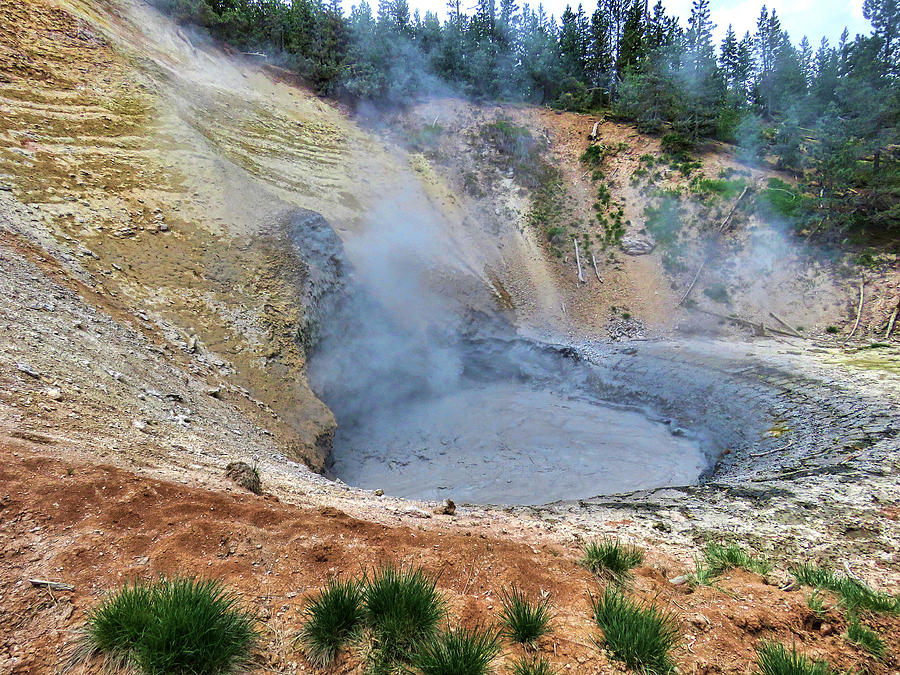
x=177 y=625
x=333 y=617
x=403 y=608
x=461 y=652
x=865 y=638
x=722 y=558
x=533 y=666
x=524 y=621
x=639 y=635
x=610 y=557
x=775 y=659
x=854 y=595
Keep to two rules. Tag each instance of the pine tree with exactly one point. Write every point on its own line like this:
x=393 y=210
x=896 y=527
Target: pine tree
x=885 y=18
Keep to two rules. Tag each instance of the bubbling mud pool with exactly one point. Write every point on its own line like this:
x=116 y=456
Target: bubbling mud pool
x=511 y=444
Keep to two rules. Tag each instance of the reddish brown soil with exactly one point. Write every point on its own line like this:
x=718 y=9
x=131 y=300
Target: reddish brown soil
x=97 y=526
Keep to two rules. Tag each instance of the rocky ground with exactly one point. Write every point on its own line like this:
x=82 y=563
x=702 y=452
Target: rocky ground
x=153 y=192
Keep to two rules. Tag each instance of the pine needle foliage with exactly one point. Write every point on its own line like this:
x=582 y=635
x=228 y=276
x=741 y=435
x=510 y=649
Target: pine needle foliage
x=524 y=620
x=333 y=617
x=610 y=557
x=177 y=625
x=640 y=635
x=774 y=659
x=460 y=652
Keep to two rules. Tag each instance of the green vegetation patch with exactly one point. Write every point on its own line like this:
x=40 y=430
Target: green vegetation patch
x=854 y=595
x=334 y=616
x=460 y=652
x=641 y=636
x=727 y=189
x=531 y=666
x=719 y=558
x=524 y=620
x=865 y=638
x=611 y=558
x=775 y=659
x=178 y=625
x=782 y=199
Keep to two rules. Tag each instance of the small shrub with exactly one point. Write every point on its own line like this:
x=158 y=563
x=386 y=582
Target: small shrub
x=675 y=144
x=534 y=666
x=782 y=199
x=717 y=293
x=775 y=659
x=461 y=652
x=610 y=557
x=866 y=639
x=402 y=607
x=177 y=625
x=854 y=595
x=524 y=621
x=832 y=330
x=639 y=635
x=595 y=155
x=333 y=615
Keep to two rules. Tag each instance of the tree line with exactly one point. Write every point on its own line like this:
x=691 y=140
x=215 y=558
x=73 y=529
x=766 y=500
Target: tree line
x=830 y=113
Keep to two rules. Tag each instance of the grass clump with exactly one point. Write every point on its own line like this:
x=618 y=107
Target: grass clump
x=524 y=621
x=333 y=617
x=854 y=595
x=178 y=625
x=534 y=666
x=865 y=638
x=775 y=659
x=402 y=608
x=721 y=558
x=610 y=557
x=641 y=636
x=718 y=558
x=461 y=652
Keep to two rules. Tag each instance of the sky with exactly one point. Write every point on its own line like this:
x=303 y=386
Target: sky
x=813 y=18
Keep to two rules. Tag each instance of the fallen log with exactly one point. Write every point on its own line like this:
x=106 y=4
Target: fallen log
x=890 y=326
x=785 y=324
x=594 y=260
x=745 y=322
x=578 y=261
x=719 y=231
x=52 y=585
x=858 y=311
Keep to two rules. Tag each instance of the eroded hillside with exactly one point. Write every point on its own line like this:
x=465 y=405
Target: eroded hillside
x=167 y=220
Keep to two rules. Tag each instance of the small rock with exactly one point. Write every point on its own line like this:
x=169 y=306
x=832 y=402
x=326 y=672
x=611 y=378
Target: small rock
x=192 y=344
x=636 y=244
x=214 y=392
x=415 y=513
x=245 y=475
x=140 y=425
x=162 y=227
x=28 y=370
x=679 y=580
x=699 y=621
x=379 y=492
x=446 y=508
x=826 y=629
x=55 y=394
